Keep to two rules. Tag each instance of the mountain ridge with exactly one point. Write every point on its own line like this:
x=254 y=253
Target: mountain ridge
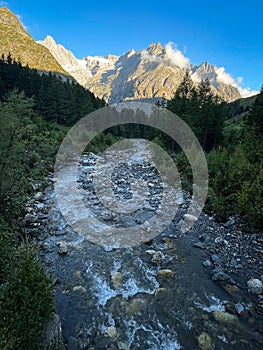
x=145 y=74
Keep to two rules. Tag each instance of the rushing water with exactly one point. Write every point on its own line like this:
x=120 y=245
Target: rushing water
x=115 y=298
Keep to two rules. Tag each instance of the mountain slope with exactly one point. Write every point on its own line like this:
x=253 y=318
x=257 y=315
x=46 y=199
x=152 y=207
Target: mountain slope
x=145 y=74
x=15 y=40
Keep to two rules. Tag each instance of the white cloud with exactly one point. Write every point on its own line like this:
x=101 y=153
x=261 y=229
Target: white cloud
x=226 y=78
x=145 y=55
x=21 y=20
x=176 y=56
x=172 y=54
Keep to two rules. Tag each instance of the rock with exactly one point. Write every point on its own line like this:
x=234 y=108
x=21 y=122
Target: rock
x=218 y=240
x=165 y=273
x=218 y=275
x=79 y=289
x=158 y=258
x=230 y=222
x=205 y=341
x=135 y=306
x=224 y=317
x=111 y=332
x=159 y=292
x=239 y=309
x=215 y=259
x=203 y=237
x=117 y=278
x=39 y=196
x=207 y=263
x=255 y=286
x=62 y=248
x=190 y=218
x=150 y=251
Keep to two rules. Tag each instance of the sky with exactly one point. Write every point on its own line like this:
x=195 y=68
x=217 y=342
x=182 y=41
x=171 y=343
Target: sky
x=227 y=34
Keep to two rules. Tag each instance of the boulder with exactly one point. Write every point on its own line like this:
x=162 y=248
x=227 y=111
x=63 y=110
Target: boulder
x=224 y=317
x=165 y=273
x=255 y=286
x=205 y=341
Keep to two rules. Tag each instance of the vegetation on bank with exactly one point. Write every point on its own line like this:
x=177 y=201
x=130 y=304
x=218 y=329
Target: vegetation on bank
x=33 y=120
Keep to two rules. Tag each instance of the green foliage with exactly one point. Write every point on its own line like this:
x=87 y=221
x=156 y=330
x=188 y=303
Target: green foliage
x=201 y=110
x=26 y=301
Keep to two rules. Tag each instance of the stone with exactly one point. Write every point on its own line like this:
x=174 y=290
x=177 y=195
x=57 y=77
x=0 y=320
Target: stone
x=62 y=248
x=79 y=289
x=239 y=308
x=150 y=251
x=218 y=275
x=111 y=332
x=38 y=196
x=207 y=263
x=255 y=286
x=224 y=317
x=205 y=341
x=190 y=218
x=117 y=278
x=165 y=273
x=158 y=258
x=215 y=259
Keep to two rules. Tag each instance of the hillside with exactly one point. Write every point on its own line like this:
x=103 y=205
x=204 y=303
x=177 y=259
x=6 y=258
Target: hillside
x=15 y=40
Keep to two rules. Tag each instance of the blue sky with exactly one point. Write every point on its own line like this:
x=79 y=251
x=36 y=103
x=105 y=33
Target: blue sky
x=224 y=33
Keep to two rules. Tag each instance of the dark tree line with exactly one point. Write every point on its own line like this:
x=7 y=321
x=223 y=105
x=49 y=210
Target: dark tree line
x=63 y=102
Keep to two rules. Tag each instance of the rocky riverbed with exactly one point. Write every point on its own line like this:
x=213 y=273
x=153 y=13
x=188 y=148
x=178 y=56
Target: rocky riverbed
x=197 y=290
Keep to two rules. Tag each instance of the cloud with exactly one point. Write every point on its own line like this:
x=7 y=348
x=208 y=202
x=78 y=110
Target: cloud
x=21 y=20
x=226 y=78
x=176 y=56
x=4 y=3
x=172 y=54
x=145 y=55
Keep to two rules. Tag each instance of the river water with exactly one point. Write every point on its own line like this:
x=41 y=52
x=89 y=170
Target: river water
x=118 y=298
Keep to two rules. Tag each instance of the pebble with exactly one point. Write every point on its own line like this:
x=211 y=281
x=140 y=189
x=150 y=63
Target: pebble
x=62 y=248
x=165 y=273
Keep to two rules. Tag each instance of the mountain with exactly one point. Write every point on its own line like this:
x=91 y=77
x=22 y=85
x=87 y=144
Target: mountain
x=145 y=74
x=15 y=40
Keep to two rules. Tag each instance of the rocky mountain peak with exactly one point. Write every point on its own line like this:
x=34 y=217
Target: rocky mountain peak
x=155 y=49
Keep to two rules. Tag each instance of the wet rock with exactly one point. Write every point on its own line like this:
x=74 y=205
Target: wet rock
x=135 y=306
x=165 y=273
x=218 y=275
x=215 y=259
x=207 y=263
x=255 y=286
x=158 y=258
x=79 y=289
x=203 y=237
x=117 y=278
x=239 y=309
x=150 y=251
x=62 y=248
x=224 y=317
x=205 y=341
x=160 y=292
x=39 y=196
